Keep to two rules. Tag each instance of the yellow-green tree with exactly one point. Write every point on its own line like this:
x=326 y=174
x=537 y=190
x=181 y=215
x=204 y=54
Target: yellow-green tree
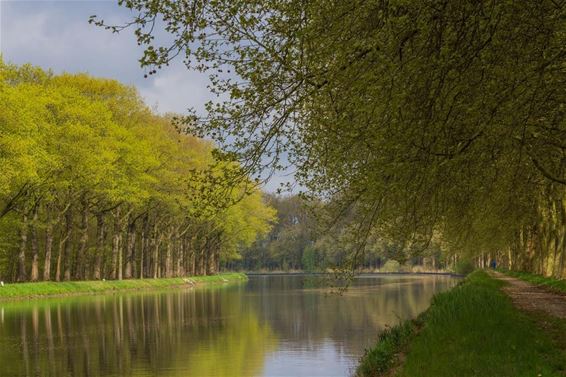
x=95 y=185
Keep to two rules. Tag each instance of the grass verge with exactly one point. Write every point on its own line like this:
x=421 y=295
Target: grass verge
x=551 y=283
x=386 y=355
x=43 y=289
x=472 y=330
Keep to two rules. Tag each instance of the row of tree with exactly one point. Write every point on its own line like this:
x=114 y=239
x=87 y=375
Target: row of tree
x=300 y=240
x=425 y=122
x=94 y=185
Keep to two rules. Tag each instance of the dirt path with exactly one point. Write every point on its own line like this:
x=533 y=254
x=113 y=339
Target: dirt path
x=530 y=297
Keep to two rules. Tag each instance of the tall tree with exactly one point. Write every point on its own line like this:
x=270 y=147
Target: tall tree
x=428 y=117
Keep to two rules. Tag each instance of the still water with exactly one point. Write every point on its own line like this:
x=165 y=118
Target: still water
x=269 y=326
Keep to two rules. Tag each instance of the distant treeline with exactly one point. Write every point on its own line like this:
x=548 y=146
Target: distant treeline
x=299 y=241
x=94 y=185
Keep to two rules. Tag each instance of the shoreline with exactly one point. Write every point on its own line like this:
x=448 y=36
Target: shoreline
x=304 y=273
x=477 y=319
x=40 y=290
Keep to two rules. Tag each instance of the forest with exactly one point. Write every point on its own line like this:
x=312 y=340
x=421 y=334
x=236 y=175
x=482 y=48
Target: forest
x=94 y=185
x=458 y=132
x=298 y=241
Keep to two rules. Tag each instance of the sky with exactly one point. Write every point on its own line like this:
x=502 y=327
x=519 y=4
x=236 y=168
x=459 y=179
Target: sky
x=56 y=35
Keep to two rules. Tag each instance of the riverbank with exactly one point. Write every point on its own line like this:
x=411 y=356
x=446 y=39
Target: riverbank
x=472 y=330
x=369 y=273
x=17 y=291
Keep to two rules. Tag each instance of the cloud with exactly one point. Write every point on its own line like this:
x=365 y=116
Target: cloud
x=56 y=35
x=175 y=89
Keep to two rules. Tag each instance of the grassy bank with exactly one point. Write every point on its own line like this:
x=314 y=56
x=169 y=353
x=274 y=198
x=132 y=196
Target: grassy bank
x=42 y=289
x=551 y=283
x=472 y=330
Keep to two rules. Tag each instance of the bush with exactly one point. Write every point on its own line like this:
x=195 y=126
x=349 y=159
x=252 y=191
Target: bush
x=391 y=266
x=464 y=267
x=309 y=259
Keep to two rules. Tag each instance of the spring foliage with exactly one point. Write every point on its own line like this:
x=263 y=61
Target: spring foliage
x=431 y=121
x=94 y=185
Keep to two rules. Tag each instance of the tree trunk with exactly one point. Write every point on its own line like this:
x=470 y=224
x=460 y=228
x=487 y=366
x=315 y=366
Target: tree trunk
x=155 y=259
x=143 y=244
x=192 y=255
x=48 y=246
x=59 y=258
x=34 y=276
x=83 y=241
x=213 y=256
x=67 y=244
x=217 y=259
x=130 y=244
x=168 y=252
x=192 y=263
x=116 y=247
x=180 y=257
x=22 y=276
x=100 y=236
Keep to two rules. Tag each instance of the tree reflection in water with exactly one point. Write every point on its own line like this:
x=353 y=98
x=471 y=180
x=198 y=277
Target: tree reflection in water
x=314 y=316
x=178 y=333
x=271 y=325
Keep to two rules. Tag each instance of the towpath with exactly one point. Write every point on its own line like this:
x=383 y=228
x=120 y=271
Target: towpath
x=532 y=298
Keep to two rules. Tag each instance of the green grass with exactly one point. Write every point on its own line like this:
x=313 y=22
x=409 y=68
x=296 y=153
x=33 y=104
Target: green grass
x=384 y=356
x=552 y=283
x=472 y=330
x=41 y=289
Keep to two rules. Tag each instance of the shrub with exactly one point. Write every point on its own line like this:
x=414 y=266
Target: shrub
x=464 y=267
x=391 y=266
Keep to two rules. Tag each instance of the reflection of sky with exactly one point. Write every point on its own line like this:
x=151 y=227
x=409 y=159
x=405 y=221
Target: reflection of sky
x=320 y=334
x=56 y=35
x=272 y=326
x=325 y=361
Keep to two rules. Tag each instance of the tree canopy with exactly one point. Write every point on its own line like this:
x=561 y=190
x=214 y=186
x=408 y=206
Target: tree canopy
x=432 y=118
x=94 y=185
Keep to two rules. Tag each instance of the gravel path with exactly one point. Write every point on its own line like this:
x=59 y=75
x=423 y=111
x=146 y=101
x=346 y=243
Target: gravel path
x=530 y=297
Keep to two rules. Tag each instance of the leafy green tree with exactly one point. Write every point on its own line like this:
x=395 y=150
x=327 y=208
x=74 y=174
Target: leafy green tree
x=96 y=186
x=427 y=119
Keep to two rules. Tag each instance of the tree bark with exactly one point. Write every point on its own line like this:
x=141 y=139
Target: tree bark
x=217 y=259
x=22 y=276
x=155 y=259
x=48 y=245
x=192 y=263
x=34 y=275
x=67 y=244
x=169 y=249
x=100 y=236
x=180 y=257
x=59 y=258
x=83 y=242
x=143 y=245
x=130 y=244
x=116 y=247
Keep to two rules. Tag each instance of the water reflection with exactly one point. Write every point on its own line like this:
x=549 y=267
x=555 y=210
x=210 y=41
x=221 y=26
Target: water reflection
x=271 y=326
x=324 y=334
x=202 y=333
